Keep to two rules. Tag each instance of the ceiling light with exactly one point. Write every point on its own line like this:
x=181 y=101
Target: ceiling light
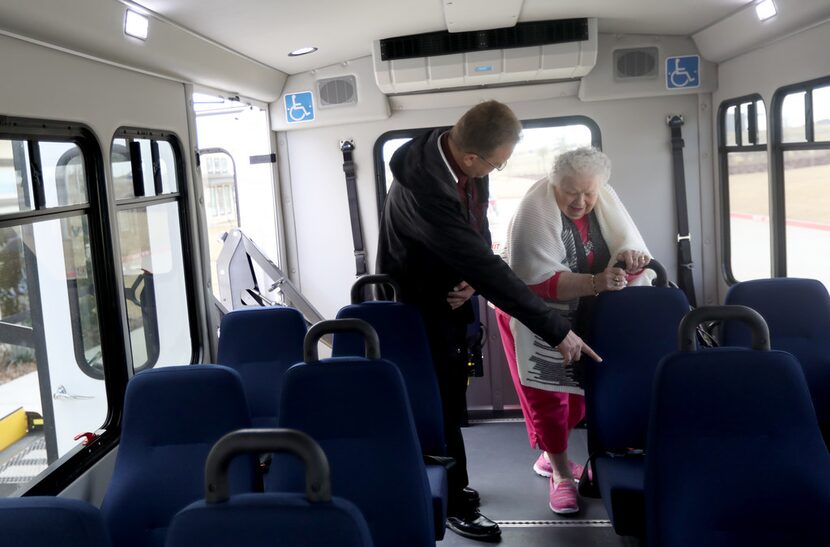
x=302 y=51
x=136 y=25
x=765 y=9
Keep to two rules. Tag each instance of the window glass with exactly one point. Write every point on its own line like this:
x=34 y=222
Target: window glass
x=47 y=395
x=807 y=202
x=745 y=121
x=821 y=113
x=749 y=221
x=167 y=167
x=122 y=170
x=389 y=148
x=219 y=191
x=64 y=178
x=761 y=115
x=15 y=177
x=146 y=166
x=729 y=125
x=154 y=279
x=531 y=160
x=792 y=118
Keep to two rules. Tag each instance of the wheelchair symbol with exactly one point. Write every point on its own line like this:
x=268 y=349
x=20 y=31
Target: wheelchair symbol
x=683 y=72
x=679 y=76
x=297 y=111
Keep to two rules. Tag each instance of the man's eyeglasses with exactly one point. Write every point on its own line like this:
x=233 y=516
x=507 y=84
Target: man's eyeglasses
x=499 y=167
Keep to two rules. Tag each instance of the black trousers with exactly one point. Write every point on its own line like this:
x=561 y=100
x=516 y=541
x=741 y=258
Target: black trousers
x=449 y=354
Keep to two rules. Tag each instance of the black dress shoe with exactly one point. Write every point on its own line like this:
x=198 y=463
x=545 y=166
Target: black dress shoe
x=474 y=525
x=470 y=497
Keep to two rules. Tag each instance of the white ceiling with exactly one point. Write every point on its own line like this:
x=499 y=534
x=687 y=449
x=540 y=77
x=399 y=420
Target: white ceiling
x=266 y=30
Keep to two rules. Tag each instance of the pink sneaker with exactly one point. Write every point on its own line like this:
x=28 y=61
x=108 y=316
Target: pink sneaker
x=543 y=468
x=563 y=497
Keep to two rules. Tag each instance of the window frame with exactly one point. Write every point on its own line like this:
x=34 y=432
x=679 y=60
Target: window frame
x=64 y=470
x=723 y=171
x=557 y=121
x=180 y=197
x=778 y=210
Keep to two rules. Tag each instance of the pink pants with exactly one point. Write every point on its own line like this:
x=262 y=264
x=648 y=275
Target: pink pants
x=549 y=415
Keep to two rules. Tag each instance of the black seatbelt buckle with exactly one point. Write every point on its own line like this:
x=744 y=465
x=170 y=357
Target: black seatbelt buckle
x=675 y=119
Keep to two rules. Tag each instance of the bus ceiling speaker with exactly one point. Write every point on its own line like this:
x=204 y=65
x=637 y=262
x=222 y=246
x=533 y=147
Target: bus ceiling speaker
x=340 y=91
x=636 y=63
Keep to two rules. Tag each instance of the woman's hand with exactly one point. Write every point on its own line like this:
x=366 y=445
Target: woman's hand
x=460 y=294
x=610 y=279
x=634 y=260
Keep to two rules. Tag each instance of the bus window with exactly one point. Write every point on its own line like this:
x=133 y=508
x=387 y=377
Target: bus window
x=532 y=159
x=221 y=206
x=150 y=210
x=745 y=189
x=49 y=321
x=804 y=152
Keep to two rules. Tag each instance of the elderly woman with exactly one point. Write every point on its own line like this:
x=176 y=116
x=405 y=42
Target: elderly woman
x=568 y=232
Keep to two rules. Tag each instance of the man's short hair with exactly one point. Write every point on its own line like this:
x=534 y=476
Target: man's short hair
x=485 y=127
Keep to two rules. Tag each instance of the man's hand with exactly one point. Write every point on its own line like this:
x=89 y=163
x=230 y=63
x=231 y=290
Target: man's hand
x=572 y=348
x=460 y=294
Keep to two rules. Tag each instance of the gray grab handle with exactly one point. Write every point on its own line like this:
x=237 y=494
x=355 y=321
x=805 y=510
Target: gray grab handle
x=687 y=333
x=340 y=325
x=374 y=279
x=317 y=478
x=662 y=279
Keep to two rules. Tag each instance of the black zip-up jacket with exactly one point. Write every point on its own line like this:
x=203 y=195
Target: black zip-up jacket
x=428 y=247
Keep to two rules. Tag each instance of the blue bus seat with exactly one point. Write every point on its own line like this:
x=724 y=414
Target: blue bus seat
x=632 y=330
x=797 y=312
x=312 y=519
x=735 y=456
x=403 y=341
x=260 y=344
x=358 y=410
x=50 y=521
x=172 y=417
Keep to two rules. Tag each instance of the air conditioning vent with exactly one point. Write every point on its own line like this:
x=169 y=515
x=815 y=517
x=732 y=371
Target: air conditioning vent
x=636 y=63
x=536 y=33
x=337 y=91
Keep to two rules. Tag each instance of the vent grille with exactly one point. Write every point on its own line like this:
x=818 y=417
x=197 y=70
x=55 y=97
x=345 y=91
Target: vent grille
x=537 y=33
x=635 y=64
x=337 y=91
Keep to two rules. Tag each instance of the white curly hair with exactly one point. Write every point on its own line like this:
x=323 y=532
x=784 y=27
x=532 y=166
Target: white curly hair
x=584 y=161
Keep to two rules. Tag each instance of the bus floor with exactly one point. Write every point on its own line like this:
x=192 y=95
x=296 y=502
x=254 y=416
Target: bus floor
x=500 y=465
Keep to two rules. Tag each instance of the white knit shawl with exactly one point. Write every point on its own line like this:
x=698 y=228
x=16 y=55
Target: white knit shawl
x=535 y=252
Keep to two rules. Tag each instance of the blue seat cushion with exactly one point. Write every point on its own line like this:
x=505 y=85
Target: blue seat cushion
x=438 y=487
x=48 y=522
x=267 y=520
x=622 y=486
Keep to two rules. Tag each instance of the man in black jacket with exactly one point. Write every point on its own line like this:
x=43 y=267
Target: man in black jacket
x=435 y=242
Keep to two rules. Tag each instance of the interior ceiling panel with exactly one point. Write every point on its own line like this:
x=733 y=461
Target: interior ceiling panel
x=266 y=30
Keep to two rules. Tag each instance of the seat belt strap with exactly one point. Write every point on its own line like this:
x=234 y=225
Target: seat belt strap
x=347 y=147
x=684 y=239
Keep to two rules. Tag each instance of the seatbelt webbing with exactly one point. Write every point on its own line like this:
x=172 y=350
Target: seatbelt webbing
x=347 y=147
x=684 y=245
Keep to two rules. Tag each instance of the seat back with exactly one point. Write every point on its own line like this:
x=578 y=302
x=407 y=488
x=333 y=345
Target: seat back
x=263 y=520
x=172 y=417
x=50 y=521
x=403 y=341
x=726 y=427
x=631 y=330
x=358 y=411
x=260 y=344
x=797 y=312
